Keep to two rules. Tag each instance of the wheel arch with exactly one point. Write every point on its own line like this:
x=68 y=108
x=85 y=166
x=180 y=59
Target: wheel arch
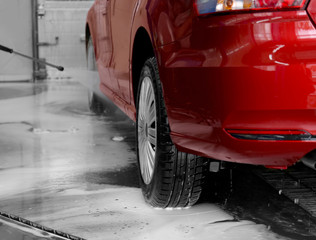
x=87 y=36
x=142 y=50
x=89 y=33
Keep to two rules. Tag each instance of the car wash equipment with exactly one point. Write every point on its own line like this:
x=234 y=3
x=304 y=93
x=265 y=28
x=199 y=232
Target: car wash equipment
x=9 y=50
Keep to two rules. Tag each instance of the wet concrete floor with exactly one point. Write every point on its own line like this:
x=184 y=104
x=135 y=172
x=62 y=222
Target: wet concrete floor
x=73 y=171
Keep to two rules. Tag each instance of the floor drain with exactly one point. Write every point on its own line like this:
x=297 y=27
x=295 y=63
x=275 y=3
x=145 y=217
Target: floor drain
x=40 y=227
x=297 y=183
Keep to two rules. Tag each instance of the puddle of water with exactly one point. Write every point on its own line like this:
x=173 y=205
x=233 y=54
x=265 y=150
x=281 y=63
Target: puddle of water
x=45 y=131
x=11 y=90
x=253 y=199
x=126 y=177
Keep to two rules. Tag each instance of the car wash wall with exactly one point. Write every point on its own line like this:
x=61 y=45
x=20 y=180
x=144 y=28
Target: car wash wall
x=61 y=27
x=16 y=33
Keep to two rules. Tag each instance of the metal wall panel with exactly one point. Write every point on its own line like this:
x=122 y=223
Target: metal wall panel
x=16 y=33
x=61 y=34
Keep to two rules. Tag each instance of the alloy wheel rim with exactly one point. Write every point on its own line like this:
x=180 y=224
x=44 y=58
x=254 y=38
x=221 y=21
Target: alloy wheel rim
x=147 y=130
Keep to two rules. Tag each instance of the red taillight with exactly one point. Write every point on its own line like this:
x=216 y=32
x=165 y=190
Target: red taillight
x=210 y=6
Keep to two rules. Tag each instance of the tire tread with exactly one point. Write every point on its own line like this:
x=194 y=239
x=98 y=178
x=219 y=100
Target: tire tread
x=182 y=174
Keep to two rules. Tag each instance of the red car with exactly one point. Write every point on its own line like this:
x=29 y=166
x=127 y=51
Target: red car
x=231 y=80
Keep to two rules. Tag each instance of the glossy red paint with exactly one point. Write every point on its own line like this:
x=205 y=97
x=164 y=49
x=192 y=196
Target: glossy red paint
x=244 y=71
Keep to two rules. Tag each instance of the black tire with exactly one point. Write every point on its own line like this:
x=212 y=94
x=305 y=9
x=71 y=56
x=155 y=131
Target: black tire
x=95 y=104
x=177 y=177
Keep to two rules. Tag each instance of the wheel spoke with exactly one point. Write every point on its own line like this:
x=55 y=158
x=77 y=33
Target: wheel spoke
x=142 y=102
x=152 y=114
x=140 y=124
x=145 y=95
x=142 y=160
x=151 y=159
x=149 y=96
x=146 y=165
x=141 y=141
x=152 y=136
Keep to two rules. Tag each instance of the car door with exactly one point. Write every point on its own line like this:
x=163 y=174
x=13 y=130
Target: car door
x=122 y=12
x=105 y=46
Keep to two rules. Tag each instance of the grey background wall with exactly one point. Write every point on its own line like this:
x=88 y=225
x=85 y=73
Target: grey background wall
x=16 y=33
x=66 y=21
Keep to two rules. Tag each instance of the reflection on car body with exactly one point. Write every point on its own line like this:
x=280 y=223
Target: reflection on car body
x=227 y=80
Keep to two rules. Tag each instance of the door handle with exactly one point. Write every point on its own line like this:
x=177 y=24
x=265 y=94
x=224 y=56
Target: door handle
x=104 y=11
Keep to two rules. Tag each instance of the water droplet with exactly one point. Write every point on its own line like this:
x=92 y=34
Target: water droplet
x=73 y=130
x=118 y=138
x=40 y=131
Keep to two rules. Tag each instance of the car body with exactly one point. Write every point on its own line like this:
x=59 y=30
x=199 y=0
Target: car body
x=238 y=86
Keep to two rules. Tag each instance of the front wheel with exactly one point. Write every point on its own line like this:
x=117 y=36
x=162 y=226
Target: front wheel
x=169 y=178
x=95 y=103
